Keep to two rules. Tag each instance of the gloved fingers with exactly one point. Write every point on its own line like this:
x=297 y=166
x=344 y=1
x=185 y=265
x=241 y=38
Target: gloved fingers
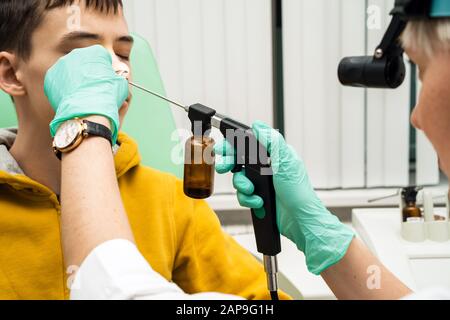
x=224 y=148
x=251 y=202
x=271 y=139
x=242 y=184
x=260 y=213
x=225 y=164
x=226 y=160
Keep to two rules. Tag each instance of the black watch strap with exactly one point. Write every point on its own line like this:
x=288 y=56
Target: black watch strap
x=98 y=130
x=92 y=129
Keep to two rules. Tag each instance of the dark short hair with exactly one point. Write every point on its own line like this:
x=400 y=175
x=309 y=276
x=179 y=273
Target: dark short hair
x=20 y=18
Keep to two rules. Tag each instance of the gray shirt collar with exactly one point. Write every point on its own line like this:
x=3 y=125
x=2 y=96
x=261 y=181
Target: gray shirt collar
x=7 y=163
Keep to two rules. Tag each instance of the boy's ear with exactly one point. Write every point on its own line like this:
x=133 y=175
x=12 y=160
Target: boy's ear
x=8 y=78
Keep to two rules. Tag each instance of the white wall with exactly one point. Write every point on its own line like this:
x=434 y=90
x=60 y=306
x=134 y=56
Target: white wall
x=324 y=121
x=388 y=111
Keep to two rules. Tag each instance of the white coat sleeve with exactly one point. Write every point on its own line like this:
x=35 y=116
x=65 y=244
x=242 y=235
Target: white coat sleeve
x=116 y=270
x=431 y=294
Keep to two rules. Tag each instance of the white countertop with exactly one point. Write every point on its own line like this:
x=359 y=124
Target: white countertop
x=419 y=265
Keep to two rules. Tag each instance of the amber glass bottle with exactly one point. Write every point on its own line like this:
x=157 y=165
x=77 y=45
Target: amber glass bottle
x=199 y=168
x=411 y=212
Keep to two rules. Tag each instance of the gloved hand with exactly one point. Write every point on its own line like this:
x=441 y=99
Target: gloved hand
x=83 y=83
x=301 y=216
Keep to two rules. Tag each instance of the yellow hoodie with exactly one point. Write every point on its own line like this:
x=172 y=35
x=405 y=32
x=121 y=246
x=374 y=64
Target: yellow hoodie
x=181 y=238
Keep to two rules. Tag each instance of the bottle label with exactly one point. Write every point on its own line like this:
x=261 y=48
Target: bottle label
x=415 y=219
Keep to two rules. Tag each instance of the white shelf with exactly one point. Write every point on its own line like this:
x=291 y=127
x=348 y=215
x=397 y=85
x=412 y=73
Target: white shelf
x=418 y=265
x=335 y=198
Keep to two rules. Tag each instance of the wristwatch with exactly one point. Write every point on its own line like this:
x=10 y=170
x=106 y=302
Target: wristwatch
x=72 y=133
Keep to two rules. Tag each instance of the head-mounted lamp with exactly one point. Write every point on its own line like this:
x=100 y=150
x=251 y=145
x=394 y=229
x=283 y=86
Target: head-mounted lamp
x=386 y=68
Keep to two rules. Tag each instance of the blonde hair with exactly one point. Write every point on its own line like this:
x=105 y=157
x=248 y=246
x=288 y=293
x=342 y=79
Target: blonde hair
x=427 y=36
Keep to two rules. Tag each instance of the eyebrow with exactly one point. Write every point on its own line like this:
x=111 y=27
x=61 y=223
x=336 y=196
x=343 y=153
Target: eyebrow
x=81 y=35
x=128 y=39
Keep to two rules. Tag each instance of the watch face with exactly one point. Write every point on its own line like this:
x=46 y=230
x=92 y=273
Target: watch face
x=67 y=134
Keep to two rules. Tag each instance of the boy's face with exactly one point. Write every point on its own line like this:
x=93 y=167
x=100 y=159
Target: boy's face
x=432 y=112
x=56 y=37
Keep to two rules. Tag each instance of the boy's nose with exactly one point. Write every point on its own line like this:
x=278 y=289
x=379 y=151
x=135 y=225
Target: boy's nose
x=120 y=68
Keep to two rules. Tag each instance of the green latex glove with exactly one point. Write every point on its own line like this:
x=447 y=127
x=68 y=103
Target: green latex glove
x=83 y=83
x=301 y=216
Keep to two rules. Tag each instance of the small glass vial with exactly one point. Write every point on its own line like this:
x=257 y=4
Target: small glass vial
x=411 y=213
x=199 y=168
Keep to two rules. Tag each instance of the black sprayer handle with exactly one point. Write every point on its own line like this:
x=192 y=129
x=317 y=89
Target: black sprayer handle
x=259 y=171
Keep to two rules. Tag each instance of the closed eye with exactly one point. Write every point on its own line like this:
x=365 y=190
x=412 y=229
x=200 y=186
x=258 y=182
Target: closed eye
x=126 y=58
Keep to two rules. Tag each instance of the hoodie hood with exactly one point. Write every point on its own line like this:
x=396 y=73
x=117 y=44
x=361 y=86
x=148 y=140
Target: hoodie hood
x=8 y=136
x=7 y=163
x=126 y=158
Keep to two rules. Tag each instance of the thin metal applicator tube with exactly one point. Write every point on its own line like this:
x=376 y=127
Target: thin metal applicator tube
x=159 y=96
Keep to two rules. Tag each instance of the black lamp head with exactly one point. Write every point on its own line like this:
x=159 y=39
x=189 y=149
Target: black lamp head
x=386 y=68
x=368 y=72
